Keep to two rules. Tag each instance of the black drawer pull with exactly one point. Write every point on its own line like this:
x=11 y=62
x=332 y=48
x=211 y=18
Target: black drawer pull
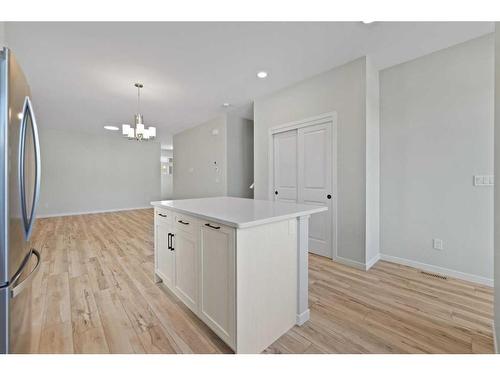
x=183 y=222
x=162 y=215
x=211 y=226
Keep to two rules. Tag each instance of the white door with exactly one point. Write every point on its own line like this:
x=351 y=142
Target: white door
x=285 y=166
x=164 y=253
x=315 y=183
x=217 y=279
x=186 y=270
x=302 y=173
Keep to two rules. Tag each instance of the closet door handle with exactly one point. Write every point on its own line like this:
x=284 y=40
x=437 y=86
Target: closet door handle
x=169 y=241
x=211 y=226
x=183 y=222
x=172 y=248
x=162 y=215
x=329 y=196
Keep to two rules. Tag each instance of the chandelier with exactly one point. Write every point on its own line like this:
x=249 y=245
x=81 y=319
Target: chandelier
x=138 y=131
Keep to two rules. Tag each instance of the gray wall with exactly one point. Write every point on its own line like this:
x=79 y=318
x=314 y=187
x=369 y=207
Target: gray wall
x=239 y=156
x=86 y=173
x=372 y=163
x=195 y=151
x=436 y=133
x=497 y=186
x=3 y=39
x=341 y=90
x=166 y=179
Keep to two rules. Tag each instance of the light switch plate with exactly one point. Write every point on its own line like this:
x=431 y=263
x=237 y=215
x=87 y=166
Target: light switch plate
x=437 y=244
x=484 y=180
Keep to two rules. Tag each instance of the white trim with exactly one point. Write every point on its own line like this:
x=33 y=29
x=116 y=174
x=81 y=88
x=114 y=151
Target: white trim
x=315 y=120
x=440 y=270
x=303 y=317
x=92 y=212
x=350 y=263
x=495 y=342
x=372 y=262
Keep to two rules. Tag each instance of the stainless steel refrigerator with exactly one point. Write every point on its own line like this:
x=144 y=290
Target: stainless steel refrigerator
x=19 y=192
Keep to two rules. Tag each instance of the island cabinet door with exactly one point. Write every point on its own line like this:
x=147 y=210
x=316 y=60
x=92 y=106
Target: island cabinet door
x=165 y=257
x=186 y=268
x=217 y=280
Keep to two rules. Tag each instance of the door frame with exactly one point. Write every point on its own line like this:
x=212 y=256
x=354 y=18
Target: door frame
x=295 y=125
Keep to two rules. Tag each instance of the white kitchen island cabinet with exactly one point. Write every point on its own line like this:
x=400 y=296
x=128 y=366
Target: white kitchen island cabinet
x=239 y=264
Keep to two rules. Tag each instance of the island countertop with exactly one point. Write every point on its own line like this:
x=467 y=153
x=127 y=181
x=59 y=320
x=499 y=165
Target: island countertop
x=239 y=212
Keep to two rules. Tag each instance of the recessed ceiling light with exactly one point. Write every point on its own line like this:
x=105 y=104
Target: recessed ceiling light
x=226 y=105
x=262 y=74
x=107 y=127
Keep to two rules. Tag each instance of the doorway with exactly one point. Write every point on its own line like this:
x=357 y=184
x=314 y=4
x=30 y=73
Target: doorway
x=303 y=170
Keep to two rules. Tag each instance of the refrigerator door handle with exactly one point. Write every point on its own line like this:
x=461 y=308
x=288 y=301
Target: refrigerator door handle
x=29 y=221
x=16 y=287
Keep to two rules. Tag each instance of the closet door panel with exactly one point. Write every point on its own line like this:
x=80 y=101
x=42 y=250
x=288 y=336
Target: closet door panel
x=285 y=166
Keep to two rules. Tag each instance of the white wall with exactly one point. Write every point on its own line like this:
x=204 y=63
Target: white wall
x=239 y=156
x=195 y=151
x=85 y=173
x=342 y=90
x=3 y=39
x=497 y=186
x=436 y=133
x=372 y=164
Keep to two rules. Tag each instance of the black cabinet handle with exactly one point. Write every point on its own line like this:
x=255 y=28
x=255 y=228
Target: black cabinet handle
x=276 y=192
x=329 y=196
x=170 y=243
x=183 y=222
x=162 y=215
x=211 y=226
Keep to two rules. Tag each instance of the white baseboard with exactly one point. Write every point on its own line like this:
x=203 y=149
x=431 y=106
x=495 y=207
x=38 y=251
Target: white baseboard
x=440 y=270
x=355 y=264
x=91 y=212
x=350 y=263
x=303 y=317
x=372 y=262
x=495 y=342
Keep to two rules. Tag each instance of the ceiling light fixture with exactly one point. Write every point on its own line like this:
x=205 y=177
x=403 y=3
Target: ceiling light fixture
x=138 y=131
x=262 y=74
x=225 y=105
x=108 y=127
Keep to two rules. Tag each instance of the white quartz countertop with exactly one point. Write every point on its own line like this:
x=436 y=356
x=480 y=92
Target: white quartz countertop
x=239 y=212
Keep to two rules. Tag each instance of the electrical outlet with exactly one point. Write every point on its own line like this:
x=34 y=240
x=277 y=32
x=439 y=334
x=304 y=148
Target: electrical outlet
x=437 y=244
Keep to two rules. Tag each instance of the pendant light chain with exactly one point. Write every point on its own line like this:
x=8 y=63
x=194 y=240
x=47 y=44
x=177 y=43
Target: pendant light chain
x=138 y=99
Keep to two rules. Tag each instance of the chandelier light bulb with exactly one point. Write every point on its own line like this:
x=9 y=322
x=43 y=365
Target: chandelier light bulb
x=131 y=133
x=125 y=129
x=152 y=132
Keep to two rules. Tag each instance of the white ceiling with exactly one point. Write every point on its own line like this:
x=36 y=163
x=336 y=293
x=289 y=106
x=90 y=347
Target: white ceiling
x=82 y=74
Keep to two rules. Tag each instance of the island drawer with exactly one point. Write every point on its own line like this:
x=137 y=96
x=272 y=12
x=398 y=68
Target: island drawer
x=186 y=223
x=163 y=216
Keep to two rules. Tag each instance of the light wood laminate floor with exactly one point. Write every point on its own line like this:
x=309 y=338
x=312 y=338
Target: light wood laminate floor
x=95 y=294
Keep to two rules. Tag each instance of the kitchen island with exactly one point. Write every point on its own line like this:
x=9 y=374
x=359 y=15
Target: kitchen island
x=239 y=264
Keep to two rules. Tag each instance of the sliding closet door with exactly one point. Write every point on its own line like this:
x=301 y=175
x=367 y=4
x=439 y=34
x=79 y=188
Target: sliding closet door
x=285 y=166
x=314 y=175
